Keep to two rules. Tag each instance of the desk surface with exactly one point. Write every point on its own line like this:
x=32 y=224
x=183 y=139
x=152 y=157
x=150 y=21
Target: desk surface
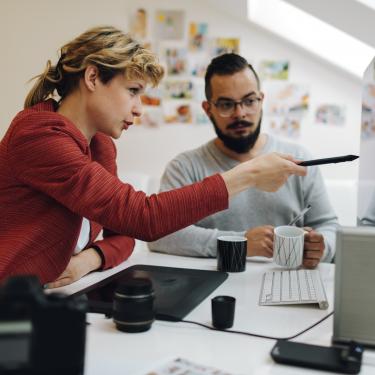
x=112 y=352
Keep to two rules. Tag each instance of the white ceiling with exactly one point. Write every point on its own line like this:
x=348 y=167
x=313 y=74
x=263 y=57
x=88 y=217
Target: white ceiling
x=350 y=16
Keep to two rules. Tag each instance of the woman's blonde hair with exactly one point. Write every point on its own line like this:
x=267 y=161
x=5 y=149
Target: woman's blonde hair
x=109 y=49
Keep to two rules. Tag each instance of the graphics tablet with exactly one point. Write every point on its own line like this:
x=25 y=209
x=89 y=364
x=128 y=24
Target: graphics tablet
x=177 y=290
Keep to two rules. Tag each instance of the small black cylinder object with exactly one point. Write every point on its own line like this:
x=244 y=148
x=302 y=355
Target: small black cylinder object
x=133 y=305
x=223 y=311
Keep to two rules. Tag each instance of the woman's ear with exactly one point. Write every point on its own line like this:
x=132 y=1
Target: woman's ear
x=91 y=77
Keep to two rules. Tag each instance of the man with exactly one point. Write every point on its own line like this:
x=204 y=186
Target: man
x=234 y=105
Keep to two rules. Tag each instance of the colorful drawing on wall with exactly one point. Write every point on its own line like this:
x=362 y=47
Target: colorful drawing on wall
x=177 y=112
x=330 y=114
x=180 y=89
x=286 y=126
x=368 y=112
x=273 y=70
x=138 y=24
x=169 y=24
x=152 y=97
x=176 y=61
x=151 y=117
x=225 y=45
x=197 y=36
x=281 y=99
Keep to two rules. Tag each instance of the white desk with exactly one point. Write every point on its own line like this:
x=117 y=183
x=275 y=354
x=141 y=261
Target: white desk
x=110 y=352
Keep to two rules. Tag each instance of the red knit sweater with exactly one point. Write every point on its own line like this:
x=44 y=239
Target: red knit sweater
x=50 y=177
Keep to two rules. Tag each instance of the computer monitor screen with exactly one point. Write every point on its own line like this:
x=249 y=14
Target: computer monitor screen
x=366 y=181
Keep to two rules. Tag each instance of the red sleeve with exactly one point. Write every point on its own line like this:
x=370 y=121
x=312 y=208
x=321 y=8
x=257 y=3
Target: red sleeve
x=115 y=248
x=49 y=158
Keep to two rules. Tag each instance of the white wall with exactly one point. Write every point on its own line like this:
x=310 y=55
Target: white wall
x=32 y=31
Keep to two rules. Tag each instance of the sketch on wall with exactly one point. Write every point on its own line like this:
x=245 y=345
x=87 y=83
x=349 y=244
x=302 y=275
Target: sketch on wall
x=285 y=106
x=169 y=24
x=330 y=114
x=269 y=70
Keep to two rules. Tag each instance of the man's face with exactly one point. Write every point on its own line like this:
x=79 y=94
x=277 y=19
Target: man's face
x=237 y=125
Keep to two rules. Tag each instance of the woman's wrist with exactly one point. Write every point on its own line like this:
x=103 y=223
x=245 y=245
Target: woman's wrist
x=237 y=180
x=92 y=259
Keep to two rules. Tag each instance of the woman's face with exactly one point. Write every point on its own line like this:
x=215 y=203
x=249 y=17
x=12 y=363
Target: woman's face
x=113 y=105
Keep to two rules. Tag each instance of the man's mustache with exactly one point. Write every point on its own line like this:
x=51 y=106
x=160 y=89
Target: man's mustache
x=240 y=123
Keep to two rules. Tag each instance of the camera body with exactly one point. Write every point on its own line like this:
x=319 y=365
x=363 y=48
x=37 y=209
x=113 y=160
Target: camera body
x=39 y=333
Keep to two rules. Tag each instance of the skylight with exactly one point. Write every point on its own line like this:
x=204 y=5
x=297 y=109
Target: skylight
x=312 y=34
x=368 y=3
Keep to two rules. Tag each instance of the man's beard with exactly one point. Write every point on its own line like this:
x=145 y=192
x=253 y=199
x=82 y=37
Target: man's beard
x=241 y=145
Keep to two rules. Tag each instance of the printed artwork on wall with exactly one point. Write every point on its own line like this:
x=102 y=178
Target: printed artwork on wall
x=138 y=24
x=286 y=126
x=225 y=45
x=330 y=114
x=178 y=112
x=176 y=60
x=286 y=104
x=152 y=96
x=284 y=98
x=197 y=36
x=269 y=70
x=169 y=24
x=178 y=89
x=368 y=112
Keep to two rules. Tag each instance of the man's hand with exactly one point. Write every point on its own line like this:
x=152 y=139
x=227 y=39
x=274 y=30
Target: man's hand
x=78 y=266
x=313 y=249
x=260 y=241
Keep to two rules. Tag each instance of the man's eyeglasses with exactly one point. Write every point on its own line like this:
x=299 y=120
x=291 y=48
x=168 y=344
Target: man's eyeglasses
x=226 y=107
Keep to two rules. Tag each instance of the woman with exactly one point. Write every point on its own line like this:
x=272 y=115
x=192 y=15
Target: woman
x=58 y=184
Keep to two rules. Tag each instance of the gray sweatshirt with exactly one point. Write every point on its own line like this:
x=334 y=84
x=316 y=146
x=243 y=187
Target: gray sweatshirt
x=252 y=207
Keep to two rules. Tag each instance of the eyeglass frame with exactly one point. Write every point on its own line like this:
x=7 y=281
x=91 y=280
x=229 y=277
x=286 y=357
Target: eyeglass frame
x=238 y=102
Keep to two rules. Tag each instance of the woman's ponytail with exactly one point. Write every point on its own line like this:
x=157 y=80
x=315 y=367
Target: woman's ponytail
x=44 y=86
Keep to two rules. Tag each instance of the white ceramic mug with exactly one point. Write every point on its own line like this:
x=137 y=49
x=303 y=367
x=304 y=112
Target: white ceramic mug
x=288 y=246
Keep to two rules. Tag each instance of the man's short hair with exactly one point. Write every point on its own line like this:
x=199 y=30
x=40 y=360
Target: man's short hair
x=226 y=64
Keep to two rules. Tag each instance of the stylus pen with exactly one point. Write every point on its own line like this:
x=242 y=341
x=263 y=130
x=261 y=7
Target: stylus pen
x=300 y=215
x=337 y=159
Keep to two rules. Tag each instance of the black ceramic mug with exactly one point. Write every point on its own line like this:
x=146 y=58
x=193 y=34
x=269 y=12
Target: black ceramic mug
x=231 y=253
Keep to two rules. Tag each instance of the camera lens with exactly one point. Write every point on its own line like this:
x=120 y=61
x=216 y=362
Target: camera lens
x=133 y=305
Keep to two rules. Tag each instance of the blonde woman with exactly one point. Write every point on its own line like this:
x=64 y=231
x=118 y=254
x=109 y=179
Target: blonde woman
x=58 y=184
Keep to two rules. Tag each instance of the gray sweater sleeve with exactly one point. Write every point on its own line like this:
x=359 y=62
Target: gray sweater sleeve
x=193 y=240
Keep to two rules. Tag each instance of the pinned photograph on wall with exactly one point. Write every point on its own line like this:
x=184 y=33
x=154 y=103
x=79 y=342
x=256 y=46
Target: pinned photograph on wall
x=368 y=112
x=169 y=24
x=288 y=126
x=152 y=97
x=177 y=112
x=138 y=24
x=330 y=114
x=176 y=60
x=197 y=36
x=225 y=45
x=269 y=70
x=281 y=99
x=178 y=89
x=152 y=117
